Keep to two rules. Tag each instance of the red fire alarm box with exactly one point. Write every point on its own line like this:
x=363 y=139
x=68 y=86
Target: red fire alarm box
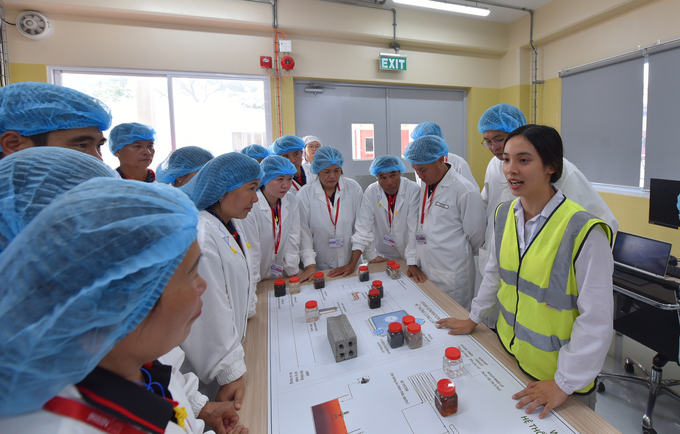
x=265 y=62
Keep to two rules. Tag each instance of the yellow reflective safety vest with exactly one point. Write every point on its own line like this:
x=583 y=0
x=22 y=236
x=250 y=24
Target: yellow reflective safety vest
x=538 y=291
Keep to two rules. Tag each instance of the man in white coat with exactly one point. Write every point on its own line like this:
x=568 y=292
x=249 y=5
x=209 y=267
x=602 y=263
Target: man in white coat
x=457 y=162
x=451 y=222
x=495 y=125
x=388 y=216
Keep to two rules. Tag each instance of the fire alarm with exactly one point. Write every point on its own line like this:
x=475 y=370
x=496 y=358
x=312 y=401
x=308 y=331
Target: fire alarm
x=265 y=62
x=287 y=63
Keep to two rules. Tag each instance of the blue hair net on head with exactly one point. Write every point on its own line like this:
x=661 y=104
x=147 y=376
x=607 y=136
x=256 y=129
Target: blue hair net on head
x=31 y=179
x=255 y=151
x=275 y=166
x=34 y=108
x=426 y=150
x=426 y=129
x=286 y=144
x=221 y=175
x=386 y=164
x=501 y=117
x=182 y=161
x=124 y=134
x=326 y=156
x=100 y=256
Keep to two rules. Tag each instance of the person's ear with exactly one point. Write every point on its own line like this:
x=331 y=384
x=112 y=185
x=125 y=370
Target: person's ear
x=11 y=142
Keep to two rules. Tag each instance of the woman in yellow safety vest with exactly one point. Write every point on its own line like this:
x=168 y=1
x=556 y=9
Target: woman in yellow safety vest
x=550 y=270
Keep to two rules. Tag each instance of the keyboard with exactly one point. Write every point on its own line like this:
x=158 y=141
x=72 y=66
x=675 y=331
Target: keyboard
x=639 y=280
x=630 y=278
x=672 y=271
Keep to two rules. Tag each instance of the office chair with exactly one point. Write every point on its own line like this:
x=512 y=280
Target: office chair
x=652 y=319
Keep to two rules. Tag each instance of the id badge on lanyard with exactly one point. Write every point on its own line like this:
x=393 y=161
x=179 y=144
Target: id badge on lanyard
x=390 y=241
x=335 y=243
x=420 y=235
x=276 y=270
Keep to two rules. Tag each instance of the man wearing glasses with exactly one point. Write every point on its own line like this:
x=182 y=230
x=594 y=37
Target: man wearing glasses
x=495 y=125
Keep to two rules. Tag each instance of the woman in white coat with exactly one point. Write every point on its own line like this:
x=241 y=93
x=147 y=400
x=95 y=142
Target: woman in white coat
x=84 y=329
x=275 y=222
x=328 y=208
x=451 y=220
x=312 y=144
x=388 y=215
x=225 y=190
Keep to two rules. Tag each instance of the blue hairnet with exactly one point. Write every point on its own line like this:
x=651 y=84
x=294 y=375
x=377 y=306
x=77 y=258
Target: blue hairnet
x=275 y=166
x=326 y=156
x=34 y=108
x=182 y=161
x=124 y=134
x=501 y=117
x=386 y=164
x=31 y=179
x=221 y=175
x=426 y=129
x=84 y=273
x=286 y=144
x=255 y=151
x=425 y=150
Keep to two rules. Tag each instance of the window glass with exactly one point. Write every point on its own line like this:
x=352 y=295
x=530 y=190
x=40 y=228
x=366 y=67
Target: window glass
x=362 y=142
x=406 y=130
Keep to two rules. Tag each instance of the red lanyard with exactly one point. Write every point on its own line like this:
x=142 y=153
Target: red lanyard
x=295 y=185
x=391 y=203
x=276 y=221
x=337 y=209
x=98 y=419
x=422 y=215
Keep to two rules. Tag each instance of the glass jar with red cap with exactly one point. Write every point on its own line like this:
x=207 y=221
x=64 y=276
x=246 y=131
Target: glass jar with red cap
x=377 y=284
x=396 y=271
x=374 y=298
x=319 y=280
x=405 y=321
x=311 y=311
x=388 y=268
x=279 y=287
x=414 y=337
x=395 y=335
x=363 y=273
x=446 y=398
x=453 y=362
x=294 y=285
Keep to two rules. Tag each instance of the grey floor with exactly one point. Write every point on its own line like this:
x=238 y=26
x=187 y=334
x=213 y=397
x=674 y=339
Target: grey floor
x=623 y=405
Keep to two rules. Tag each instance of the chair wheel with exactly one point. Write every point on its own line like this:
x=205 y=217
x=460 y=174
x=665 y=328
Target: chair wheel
x=648 y=431
x=629 y=368
x=600 y=387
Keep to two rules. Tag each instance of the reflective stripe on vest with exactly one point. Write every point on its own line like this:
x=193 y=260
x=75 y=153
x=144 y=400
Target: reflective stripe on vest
x=540 y=285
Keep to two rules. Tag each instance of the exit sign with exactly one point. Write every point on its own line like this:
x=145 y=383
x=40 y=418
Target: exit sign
x=393 y=62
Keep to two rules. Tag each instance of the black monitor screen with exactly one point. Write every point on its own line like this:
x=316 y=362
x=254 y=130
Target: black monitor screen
x=641 y=253
x=664 y=203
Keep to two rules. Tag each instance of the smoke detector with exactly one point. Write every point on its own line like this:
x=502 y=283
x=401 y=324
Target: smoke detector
x=34 y=25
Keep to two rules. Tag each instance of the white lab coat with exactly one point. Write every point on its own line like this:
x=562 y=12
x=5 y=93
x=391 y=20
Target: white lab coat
x=373 y=223
x=454 y=227
x=213 y=348
x=316 y=227
x=307 y=168
x=259 y=226
x=43 y=421
x=572 y=183
x=461 y=166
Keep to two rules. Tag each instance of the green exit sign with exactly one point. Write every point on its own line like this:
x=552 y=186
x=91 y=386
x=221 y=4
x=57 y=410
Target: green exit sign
x=393 y=62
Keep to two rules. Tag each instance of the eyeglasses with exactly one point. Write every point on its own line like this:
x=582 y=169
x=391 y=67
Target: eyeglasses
x=490 y=143
x=315 y=147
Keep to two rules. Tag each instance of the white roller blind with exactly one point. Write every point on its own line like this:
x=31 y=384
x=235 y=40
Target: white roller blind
x=602 y=121
x=662 y=159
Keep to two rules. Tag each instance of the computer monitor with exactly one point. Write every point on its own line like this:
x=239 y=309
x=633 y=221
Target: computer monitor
x=664 y=203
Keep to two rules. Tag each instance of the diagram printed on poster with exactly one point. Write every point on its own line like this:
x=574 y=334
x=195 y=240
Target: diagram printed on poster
x=383 y=389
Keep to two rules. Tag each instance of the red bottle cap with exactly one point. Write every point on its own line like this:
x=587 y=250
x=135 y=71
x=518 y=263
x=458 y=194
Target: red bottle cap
x=408 y=319
x=318 y=275
x=394 y=327
x=395 y=266
x=390 y=262
x=278 y=282
x=311 y=304
x=446 y=387
x=377 y=283
x=452 y=353
x=294 y=279
x=374 y=292
x=363 y=268
x=414 y=327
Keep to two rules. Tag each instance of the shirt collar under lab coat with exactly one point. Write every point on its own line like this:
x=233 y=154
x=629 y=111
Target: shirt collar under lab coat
x=266 y=210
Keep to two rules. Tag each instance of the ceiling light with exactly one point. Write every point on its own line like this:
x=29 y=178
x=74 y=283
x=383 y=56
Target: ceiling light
x=443 y=6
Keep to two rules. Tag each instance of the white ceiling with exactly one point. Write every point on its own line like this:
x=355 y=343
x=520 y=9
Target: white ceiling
x=498 y=14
